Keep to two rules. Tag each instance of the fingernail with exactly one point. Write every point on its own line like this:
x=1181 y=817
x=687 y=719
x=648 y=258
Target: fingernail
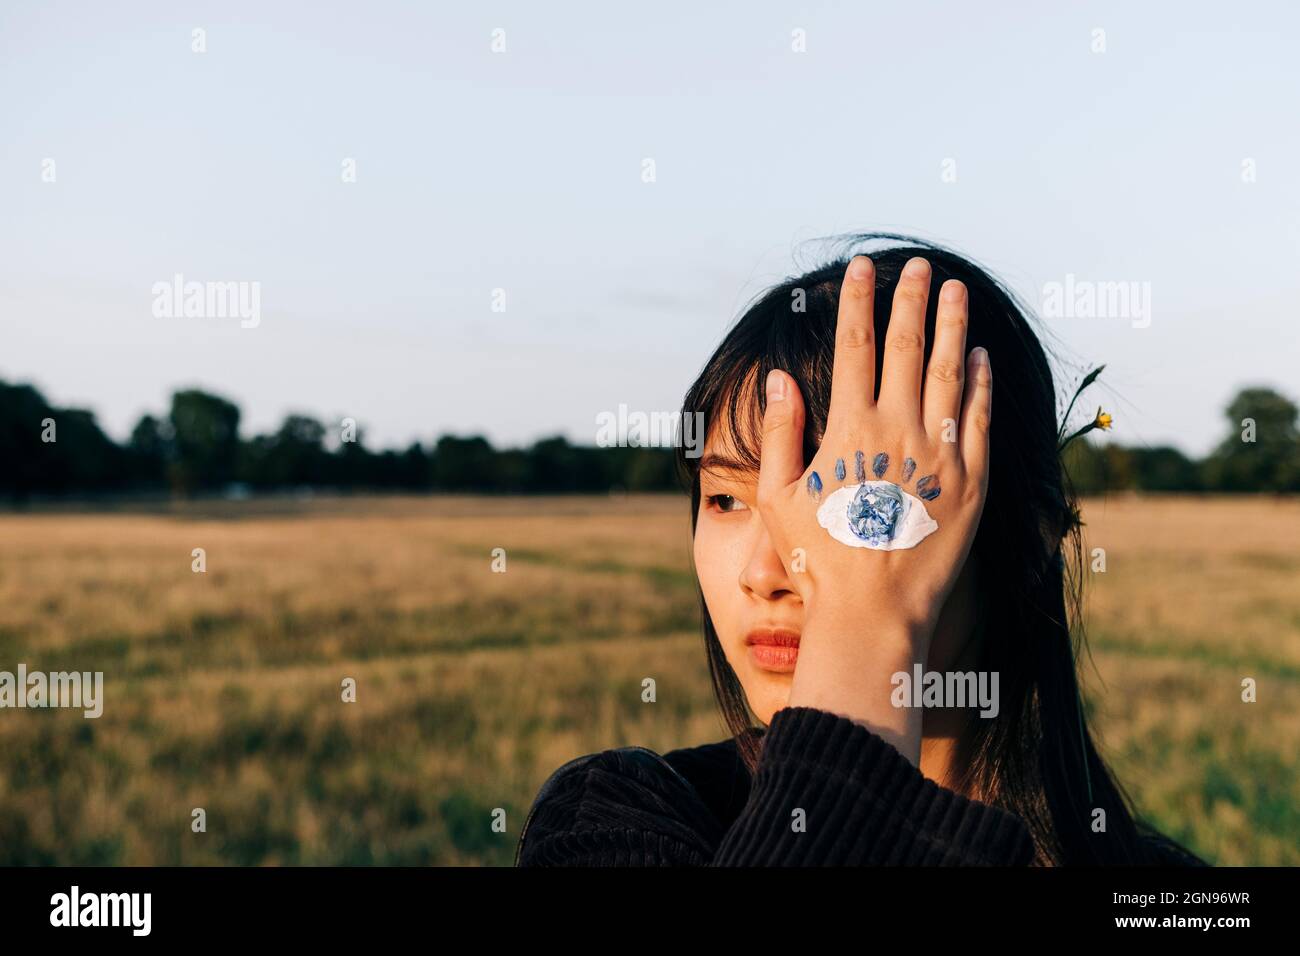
x=980 y=357
x=775 y=386
x=953 y=291
x=860 y=268
x=916 y=267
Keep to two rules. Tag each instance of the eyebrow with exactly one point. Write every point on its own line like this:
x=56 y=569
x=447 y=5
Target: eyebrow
x=713 y=462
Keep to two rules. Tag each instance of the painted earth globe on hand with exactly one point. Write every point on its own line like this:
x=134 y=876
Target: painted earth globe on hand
x=874 y=512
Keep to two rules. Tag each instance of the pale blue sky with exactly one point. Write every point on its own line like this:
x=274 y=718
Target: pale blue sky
x=522 y=171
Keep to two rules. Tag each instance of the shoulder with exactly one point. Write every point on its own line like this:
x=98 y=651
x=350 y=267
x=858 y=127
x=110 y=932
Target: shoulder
x=718 y=774
x=630 y=791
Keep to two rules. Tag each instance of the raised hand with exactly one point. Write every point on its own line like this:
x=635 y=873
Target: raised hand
x=886 y=512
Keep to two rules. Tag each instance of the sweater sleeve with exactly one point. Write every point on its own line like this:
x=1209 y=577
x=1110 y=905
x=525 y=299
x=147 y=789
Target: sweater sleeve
x=827 y=792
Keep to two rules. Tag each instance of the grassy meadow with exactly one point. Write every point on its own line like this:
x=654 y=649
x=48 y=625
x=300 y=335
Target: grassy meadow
x=223 y=689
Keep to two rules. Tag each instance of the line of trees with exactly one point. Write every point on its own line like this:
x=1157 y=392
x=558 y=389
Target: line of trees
x=1259 y=452
x=196 y=448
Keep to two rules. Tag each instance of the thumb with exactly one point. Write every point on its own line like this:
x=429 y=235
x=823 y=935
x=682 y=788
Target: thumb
x=782 y=451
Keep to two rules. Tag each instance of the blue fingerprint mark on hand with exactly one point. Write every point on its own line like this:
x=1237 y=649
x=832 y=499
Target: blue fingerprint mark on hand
x=839 y=469
x=859 y=469
x=909 y=469
x=928 y=487
x=815 y=486
x=879 y=465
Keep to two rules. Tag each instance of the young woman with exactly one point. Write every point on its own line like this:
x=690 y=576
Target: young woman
x=866 y=512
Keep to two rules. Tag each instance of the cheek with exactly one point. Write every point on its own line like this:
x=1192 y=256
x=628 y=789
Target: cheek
x=720 y=556
x=719 y=560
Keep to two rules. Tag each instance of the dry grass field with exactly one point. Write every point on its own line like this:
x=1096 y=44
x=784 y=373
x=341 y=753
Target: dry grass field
x=223 y=688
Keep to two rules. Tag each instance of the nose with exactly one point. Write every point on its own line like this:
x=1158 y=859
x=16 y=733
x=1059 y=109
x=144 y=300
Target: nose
x=764 y=575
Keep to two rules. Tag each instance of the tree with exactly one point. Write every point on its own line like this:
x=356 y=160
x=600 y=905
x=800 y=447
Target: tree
x=1262 y=449
x=205 y=431
x=26 y=459
x=557 y=466
x=463 y=464
x=293 y=456
x=1164 y=469
x=148 y=448
x=53 y=450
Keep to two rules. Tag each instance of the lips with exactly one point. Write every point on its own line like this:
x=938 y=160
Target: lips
x=773 y=649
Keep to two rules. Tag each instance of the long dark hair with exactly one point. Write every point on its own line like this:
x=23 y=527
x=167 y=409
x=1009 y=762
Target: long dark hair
x=1037 y=759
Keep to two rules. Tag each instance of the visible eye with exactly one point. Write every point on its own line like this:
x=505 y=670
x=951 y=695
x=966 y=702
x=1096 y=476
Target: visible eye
x=726 y=503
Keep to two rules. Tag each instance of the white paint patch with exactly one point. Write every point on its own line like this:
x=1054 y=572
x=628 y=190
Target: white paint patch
x=913 y=526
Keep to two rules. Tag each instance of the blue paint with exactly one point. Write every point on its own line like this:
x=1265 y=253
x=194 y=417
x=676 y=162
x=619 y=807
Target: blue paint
x=874 y=512
x=879 y=465
x=815 y=485
x=839 y=469
x=928 y=487
x=909 y=469
x=859 y=469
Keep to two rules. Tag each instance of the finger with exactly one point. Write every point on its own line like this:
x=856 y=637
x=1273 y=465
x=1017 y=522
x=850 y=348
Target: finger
x=900 y=385
x=941 y=400
x=781 y=457
x=977 y=416
x=853 y=377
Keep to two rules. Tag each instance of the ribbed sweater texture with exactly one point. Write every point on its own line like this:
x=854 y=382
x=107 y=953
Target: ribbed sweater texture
x=827 y=792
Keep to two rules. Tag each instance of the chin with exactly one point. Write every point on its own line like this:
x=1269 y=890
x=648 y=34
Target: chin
x=765 y=714
x=767 y=693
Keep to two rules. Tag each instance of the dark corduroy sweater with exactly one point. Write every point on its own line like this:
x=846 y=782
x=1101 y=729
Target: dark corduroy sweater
x=863 y=803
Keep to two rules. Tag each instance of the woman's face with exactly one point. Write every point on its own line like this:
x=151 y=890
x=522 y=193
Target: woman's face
x=755 y=609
